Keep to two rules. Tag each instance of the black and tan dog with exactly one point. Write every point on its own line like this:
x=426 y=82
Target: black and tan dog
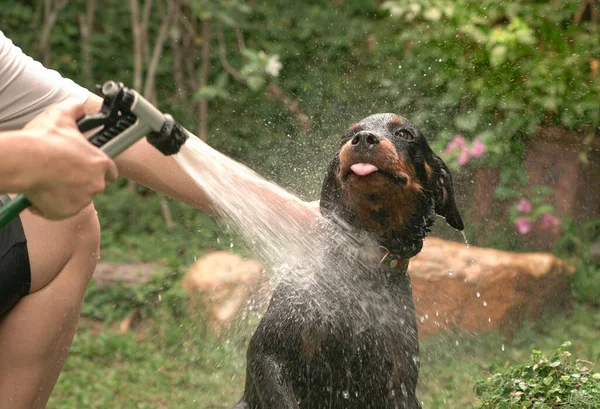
x=348 y=339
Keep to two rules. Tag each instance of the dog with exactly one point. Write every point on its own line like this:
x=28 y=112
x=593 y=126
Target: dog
x=350 y=340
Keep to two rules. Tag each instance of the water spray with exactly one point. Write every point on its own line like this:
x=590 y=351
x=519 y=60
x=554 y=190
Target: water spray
x=124 y=118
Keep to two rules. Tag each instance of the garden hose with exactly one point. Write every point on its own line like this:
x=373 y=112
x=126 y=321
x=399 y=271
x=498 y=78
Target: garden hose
x=125 y=118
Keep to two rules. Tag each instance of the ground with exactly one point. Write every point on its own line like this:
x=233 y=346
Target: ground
x=171 y=361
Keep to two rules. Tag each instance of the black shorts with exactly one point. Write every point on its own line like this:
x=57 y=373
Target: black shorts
x=15 y=272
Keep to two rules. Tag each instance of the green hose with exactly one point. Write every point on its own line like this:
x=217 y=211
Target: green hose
x=12 y=209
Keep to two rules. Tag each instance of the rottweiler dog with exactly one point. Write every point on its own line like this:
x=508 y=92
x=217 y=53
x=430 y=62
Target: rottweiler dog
x=348 y=337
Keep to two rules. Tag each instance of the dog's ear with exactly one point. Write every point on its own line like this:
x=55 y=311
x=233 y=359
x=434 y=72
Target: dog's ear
x=331 y=190
x=445 y=205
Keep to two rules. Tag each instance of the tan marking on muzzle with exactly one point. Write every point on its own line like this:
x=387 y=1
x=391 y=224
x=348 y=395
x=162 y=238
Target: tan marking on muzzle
x=391 y=198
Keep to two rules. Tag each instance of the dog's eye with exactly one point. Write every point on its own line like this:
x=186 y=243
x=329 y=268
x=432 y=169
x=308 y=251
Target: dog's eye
x=404 y=134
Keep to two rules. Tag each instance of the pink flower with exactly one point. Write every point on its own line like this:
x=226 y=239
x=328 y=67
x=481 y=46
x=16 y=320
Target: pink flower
x=524 y=205
x=477 y=148
x=463 y=157
x=523 y=225
x=550 y=222
x=458 y=142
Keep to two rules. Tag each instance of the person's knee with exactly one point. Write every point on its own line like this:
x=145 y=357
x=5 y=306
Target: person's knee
x=86 y=233
x=54 y=247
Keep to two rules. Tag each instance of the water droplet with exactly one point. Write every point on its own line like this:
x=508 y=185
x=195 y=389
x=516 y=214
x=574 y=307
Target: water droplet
x=502 y=347
x=484 y=303
x=465 y=237
x=345 y=395
x=478 y=294
x=450 y=272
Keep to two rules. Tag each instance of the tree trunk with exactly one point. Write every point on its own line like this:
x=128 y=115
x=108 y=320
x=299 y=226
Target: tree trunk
x=86 y=26
x=204 y=70
x=149 y=88
x=51 y=11
x=176 y=34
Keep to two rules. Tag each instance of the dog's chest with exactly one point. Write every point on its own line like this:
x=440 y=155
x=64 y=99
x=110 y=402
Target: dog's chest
x=356 y=325
x=353 y=347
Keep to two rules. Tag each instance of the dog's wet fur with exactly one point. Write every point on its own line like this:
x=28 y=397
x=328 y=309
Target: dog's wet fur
x=352 y=342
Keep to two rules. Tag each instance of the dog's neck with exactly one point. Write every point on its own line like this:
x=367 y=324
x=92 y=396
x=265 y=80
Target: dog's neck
x=394 y=261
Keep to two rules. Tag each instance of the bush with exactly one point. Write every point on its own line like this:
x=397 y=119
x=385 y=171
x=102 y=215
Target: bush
x=557 y=382
x=574 y=246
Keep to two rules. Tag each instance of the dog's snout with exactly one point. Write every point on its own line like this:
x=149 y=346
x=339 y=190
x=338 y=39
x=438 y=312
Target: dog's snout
x=364 y=139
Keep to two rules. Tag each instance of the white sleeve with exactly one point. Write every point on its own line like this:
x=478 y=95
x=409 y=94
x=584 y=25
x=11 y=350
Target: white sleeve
x=27 y=87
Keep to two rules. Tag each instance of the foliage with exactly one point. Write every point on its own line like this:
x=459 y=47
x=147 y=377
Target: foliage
x=117 y=301
x=133 y=229
x=495 y=71
x=545 y=383
x=491 y=71
x=574 y=246
x=168 y=362
x=171 y=361
x=500 y=69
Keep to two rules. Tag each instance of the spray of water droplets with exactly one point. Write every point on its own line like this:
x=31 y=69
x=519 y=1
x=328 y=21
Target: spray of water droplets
x=289 y=235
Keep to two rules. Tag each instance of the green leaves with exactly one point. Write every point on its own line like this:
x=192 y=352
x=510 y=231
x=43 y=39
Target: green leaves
x=557 y=382
x=508 y=66
x=498 y=55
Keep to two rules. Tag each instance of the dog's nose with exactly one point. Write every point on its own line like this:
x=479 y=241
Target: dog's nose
x=364 y=140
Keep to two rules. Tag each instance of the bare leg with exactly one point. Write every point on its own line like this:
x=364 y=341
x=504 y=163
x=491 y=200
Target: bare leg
x=35 y=336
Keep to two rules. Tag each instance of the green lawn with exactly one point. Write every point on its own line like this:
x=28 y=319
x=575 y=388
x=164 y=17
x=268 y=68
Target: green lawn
x=171 y=361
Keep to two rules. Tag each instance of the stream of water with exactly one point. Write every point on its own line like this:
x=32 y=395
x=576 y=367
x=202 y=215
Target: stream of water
x=287 y=233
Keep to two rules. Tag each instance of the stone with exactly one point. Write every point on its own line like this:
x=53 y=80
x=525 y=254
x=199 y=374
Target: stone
x=480 y=289
x=130 y=273
x=224 y=284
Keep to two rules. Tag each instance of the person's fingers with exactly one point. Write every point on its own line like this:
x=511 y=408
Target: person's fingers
x=68 y=110
x=111 y=173
x=36 y=211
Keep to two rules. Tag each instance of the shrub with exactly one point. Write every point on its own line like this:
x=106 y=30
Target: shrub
x=544 y=383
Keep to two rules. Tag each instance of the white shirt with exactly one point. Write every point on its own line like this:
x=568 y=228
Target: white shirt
x=27 y=87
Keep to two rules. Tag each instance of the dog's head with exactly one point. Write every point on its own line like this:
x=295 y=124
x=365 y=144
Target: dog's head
x=386 y=179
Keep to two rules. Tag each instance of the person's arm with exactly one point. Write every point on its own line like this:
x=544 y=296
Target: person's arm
x=40 y=160
x=29 y=88
x=146 y=165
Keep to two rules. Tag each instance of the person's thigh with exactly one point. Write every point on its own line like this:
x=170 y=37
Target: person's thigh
x=37 y=332
x=51 y=244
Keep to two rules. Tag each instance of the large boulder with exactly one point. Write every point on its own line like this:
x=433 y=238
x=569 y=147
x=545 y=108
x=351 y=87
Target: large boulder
x=454 y=286
x=225 y=284
x=480 y=289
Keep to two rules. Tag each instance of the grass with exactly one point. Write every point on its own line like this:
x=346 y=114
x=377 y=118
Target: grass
x=451 y=364
x=171 y=361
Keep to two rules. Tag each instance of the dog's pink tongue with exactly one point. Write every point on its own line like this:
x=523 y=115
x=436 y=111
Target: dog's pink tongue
x=363 y=169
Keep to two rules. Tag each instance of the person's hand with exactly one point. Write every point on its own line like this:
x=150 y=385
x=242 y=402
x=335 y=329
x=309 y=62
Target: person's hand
x=67 y=171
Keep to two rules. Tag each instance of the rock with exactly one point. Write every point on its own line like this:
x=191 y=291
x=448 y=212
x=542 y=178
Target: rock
x=225 y=283
x=480 y=289
x=475 y=289
x=131 y=273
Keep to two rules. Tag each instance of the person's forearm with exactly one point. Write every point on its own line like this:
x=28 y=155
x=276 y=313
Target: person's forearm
x=144 y=164
x=17 y=158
